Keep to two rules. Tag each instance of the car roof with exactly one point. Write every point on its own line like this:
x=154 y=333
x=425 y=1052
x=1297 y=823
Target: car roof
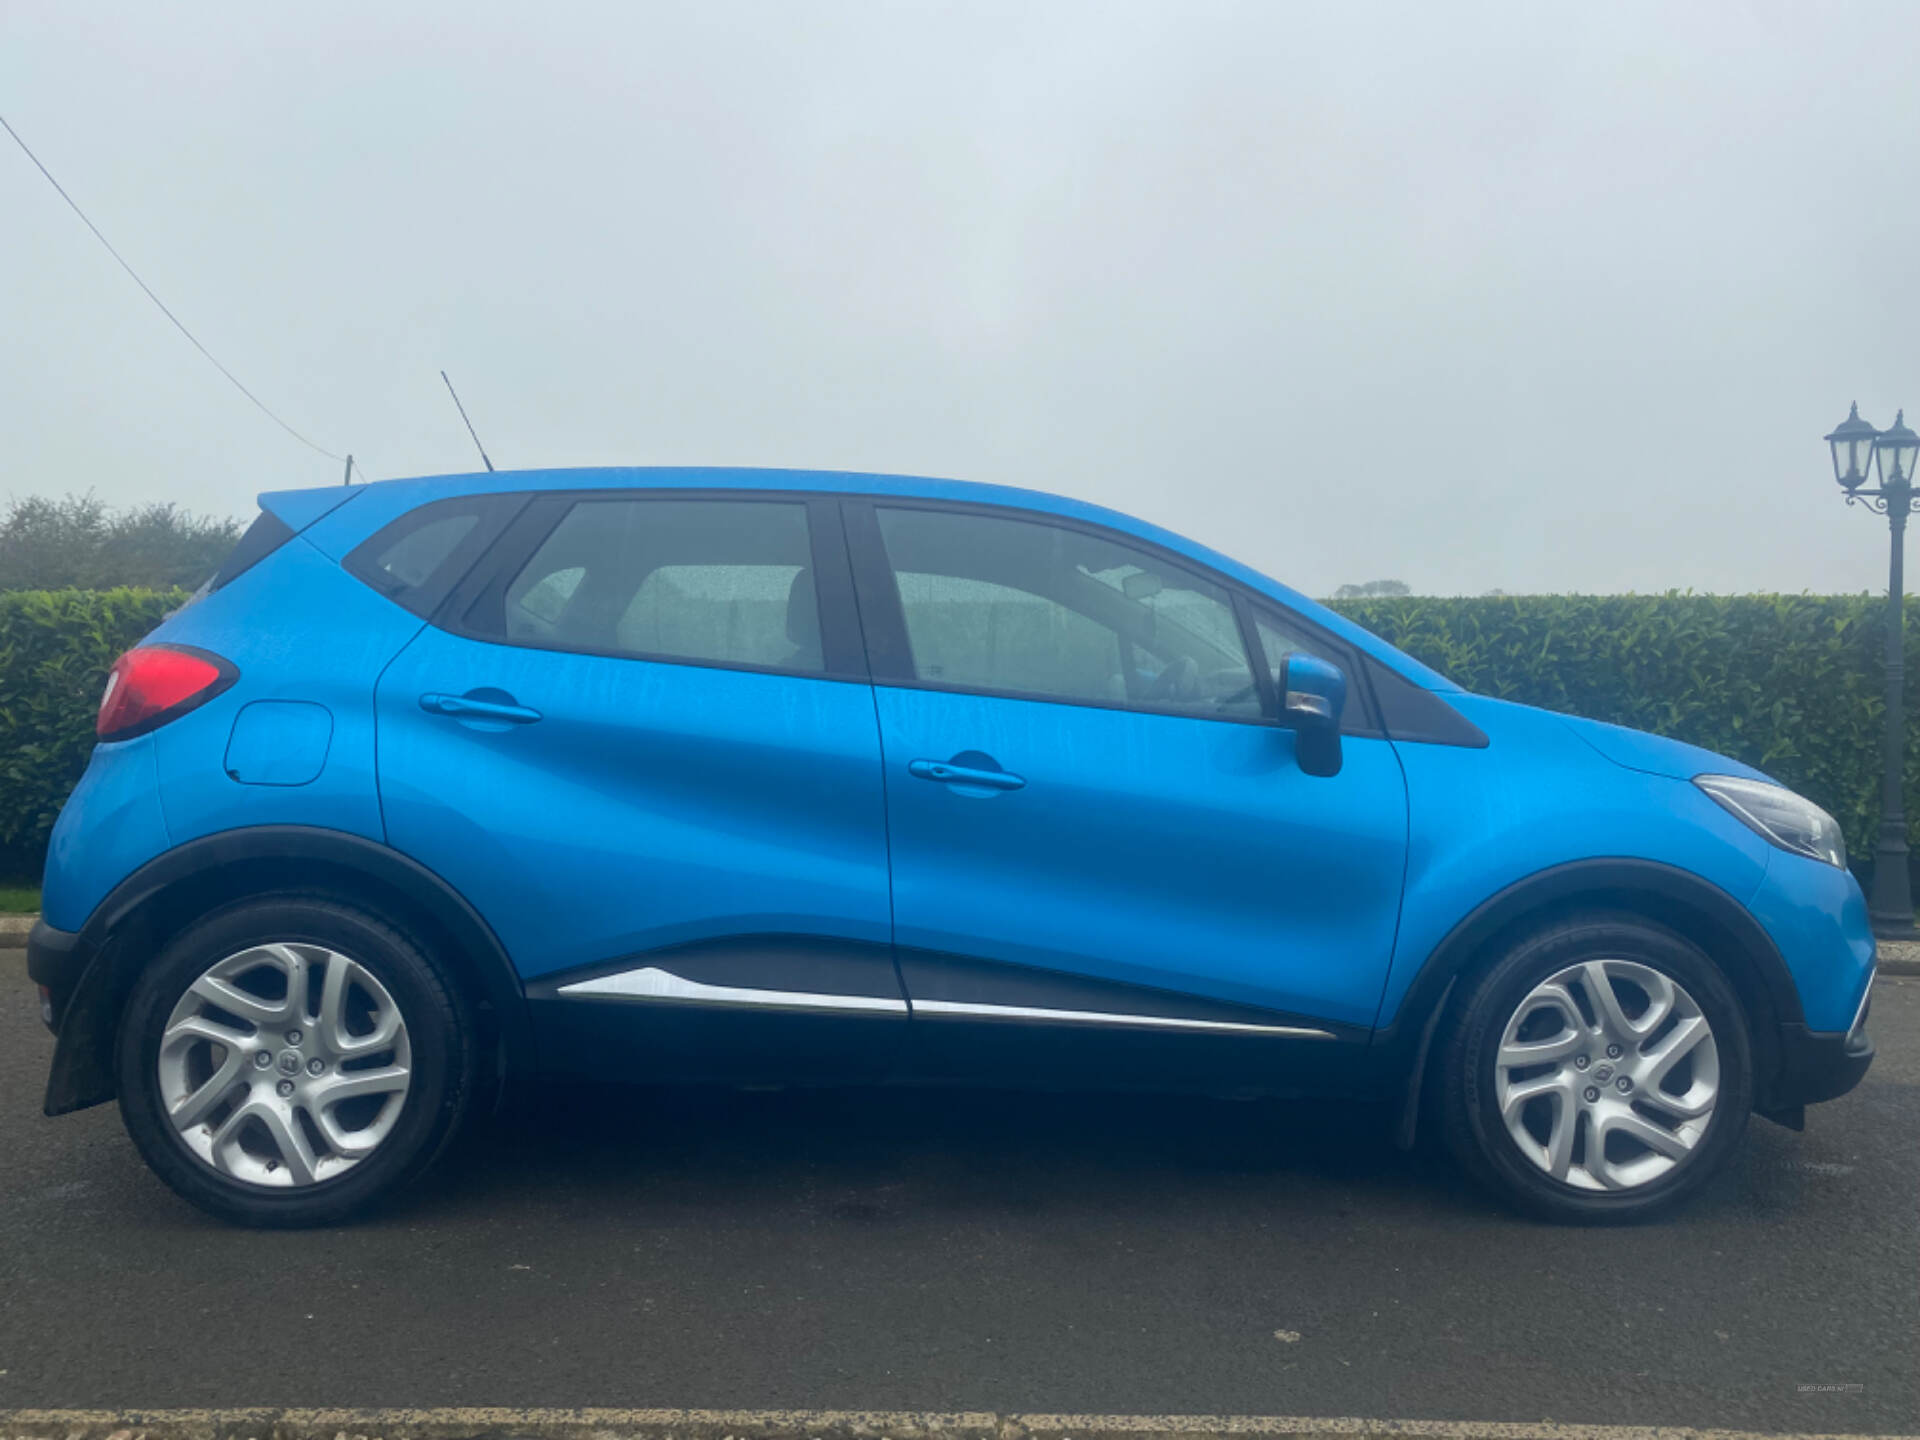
x=375 y=504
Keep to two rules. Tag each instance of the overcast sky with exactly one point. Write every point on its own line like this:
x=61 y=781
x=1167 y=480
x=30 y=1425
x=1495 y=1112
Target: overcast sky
x=1528 y=296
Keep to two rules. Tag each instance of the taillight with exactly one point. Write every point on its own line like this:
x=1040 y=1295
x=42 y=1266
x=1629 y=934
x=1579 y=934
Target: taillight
x=153 y=684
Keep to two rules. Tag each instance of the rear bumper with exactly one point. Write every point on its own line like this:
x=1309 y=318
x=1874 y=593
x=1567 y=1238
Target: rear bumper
x=56 y=959
x=1818 y=1065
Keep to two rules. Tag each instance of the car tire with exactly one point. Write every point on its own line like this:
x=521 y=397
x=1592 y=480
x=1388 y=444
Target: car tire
x=1654 y=1101
x=325 y=1091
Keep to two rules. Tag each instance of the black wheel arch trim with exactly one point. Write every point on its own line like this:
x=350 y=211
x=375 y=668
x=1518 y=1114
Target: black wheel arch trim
x=115 y=941
x=1665 y=894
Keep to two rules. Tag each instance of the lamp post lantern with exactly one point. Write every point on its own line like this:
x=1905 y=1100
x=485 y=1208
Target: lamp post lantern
x=1852 y=445
x=1857 y=449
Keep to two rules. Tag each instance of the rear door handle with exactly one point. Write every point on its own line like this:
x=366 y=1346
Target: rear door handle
x=947 y=773
x=468 y=707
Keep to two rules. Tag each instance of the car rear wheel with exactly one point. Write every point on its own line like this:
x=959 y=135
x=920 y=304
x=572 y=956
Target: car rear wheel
x=1599 y=1071
x=290 y=1061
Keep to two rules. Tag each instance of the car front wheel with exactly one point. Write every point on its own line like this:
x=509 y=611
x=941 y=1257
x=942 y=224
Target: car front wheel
x=290 y=1061
x=1599 y=1071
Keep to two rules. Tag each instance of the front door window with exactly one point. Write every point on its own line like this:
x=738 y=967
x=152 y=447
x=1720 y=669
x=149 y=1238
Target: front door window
x=1025 y=608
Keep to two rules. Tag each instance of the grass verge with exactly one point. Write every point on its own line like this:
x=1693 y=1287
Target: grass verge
x=19 y=899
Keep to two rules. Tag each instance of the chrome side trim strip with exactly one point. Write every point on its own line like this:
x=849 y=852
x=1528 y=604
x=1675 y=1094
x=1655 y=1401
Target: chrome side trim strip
x=652 y=983
x=1103 y=1017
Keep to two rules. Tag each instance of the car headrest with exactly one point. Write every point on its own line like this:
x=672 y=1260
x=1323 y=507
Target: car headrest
x=803 y=615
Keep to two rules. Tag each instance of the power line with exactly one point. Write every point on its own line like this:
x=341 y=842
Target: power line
x=258 y=402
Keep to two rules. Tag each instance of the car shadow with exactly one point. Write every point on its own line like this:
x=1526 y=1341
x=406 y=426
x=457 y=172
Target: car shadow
x=885 y=1151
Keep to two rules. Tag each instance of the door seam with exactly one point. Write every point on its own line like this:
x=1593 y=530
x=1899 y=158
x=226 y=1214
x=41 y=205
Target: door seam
x=880 y=744
x=379 y=792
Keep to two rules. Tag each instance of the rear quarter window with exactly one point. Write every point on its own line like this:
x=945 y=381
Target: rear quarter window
x=411 y=560
x=415 y=560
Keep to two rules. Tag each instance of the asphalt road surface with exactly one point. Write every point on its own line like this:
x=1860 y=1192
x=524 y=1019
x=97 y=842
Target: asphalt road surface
x=923 y=1250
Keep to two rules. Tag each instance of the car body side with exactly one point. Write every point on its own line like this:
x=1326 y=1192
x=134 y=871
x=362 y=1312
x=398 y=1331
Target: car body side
x=1552 y=814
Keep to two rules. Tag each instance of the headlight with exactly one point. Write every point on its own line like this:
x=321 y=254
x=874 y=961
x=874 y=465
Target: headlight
x=1781 y=816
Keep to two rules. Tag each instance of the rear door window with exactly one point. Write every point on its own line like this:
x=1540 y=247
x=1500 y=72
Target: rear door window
x=716 y=582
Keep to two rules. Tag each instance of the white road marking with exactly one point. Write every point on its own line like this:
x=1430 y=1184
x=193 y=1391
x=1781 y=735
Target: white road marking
x=431 y=1424
x=1816 y=1167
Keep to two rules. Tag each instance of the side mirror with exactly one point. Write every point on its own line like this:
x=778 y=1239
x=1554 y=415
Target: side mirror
x=1313 y=693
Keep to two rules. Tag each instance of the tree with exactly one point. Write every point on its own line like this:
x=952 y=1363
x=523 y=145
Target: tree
x=1372 y=587
x=80 y=543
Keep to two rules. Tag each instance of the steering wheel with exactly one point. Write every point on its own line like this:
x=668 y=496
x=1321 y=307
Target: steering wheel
x=1243 y=694
x=1179 y=681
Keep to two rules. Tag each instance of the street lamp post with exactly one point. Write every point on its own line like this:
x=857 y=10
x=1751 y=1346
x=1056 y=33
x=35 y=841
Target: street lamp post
x=1857 y=448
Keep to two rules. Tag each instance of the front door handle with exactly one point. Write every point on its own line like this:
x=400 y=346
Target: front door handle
x=948 y=773
x=475 y=707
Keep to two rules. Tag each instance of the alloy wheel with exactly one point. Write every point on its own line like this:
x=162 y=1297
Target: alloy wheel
x=1607 y=1075
x=284 y=1065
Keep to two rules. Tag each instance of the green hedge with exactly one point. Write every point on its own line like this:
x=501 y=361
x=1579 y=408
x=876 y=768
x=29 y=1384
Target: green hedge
x=1792 y=684
x=55 y=647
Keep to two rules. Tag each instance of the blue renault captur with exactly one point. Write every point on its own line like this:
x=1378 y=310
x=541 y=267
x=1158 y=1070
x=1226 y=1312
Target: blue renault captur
x=784 y=777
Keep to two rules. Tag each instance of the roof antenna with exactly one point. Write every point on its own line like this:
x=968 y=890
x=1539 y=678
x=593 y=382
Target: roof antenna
x=463 y=415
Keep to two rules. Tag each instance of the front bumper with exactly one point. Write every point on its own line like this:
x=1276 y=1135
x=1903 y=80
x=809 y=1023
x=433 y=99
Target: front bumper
x=1818 y=1065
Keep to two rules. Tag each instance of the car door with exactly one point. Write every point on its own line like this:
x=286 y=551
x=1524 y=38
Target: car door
x=1107 y=865
x=640 y=740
